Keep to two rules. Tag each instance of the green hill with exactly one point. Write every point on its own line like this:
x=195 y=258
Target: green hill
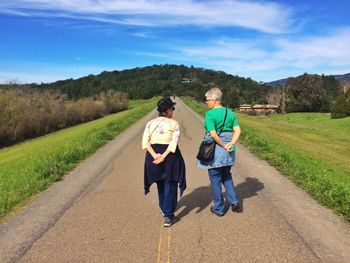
x=163 y=80
x=307 y=92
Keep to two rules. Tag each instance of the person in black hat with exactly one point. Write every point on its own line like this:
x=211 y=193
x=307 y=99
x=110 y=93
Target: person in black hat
x=164 y=105
x=164 y=164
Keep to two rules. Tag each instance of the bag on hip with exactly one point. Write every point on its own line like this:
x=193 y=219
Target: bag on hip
x=206 y=151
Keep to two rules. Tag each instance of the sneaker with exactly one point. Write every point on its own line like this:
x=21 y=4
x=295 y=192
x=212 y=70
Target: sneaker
x=235 y=207
x=168 y=221
x=213 y=212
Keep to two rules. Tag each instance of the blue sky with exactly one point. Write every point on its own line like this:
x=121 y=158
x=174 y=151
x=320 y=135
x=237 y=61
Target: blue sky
x=49 y=40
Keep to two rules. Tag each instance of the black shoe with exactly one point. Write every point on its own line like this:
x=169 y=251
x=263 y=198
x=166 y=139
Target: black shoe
x=212 y=210
x=235 y=207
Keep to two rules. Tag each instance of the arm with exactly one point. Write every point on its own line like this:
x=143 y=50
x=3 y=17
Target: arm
x=216 y=138
x=172 y=145
x=235 y=137
x=146 y=138
x=161 y=157
x=152 y=152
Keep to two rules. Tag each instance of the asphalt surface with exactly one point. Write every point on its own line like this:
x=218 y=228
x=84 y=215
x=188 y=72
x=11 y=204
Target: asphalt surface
x=99 y=213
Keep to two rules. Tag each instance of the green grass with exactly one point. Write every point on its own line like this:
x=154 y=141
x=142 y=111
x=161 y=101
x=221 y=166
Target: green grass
x=310 y=148
x=30 y=167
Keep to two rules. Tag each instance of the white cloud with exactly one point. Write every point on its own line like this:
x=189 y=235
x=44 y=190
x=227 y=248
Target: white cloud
x=276 y=58
x=226 y=49
x=265 y=17
x=260 y=59
x=165 y=55
x=141 y=34
x=333 y=49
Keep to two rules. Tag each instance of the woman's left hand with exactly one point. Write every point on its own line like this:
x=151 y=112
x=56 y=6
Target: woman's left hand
x=156 y=156
x=159 y=159
x=228 y=147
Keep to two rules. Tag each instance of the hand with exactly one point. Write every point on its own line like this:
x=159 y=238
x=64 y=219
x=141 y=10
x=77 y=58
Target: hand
x=228 y=147
x=160 y=159
x=158 y=155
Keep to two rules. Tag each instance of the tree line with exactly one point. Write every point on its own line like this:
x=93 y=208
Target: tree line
x=308 y=92
x=27 y=113
x=30 y=110
x=312 y=93
x=162 y=80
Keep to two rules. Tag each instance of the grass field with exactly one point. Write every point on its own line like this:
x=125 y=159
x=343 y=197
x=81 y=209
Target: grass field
x=310 y=148
x=30 y=167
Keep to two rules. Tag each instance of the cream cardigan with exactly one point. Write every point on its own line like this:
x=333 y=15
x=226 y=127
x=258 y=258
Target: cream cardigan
x=161 y=130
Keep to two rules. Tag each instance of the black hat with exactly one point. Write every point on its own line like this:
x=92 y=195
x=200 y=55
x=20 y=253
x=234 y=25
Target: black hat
x=164 y=104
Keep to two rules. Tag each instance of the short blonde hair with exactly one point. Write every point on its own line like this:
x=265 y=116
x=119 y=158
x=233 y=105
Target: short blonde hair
x=214 y=93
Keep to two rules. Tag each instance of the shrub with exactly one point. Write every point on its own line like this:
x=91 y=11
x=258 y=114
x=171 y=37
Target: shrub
x=341 y=107
x=114 y=101
x=26 y=113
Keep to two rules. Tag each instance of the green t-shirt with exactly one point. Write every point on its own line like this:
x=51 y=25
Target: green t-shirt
x=214 y=119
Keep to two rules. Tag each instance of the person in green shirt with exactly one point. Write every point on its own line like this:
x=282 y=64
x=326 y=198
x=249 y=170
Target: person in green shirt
x=225 y=132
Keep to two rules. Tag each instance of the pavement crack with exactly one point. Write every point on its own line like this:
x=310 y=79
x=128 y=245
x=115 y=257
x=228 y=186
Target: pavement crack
x=183 y=130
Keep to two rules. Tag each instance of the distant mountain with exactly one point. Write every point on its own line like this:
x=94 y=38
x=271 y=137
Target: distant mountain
x=282 y=82
x=344 y=77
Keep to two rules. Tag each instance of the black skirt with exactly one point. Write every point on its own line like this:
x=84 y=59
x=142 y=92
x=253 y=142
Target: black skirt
x=172 y=169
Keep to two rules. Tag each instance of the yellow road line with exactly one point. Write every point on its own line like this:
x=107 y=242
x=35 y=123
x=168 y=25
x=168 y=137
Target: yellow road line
x=168 y=261
x=159 y=244
x=164 y=247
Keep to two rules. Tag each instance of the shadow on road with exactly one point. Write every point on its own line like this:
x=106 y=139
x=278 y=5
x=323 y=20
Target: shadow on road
x=250 y=187
x=200 y=197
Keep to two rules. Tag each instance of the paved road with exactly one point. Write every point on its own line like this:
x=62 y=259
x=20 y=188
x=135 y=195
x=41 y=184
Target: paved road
x=110 y=220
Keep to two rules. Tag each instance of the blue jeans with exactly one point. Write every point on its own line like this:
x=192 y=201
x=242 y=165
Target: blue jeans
x=167 y=194
x=217 y=176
